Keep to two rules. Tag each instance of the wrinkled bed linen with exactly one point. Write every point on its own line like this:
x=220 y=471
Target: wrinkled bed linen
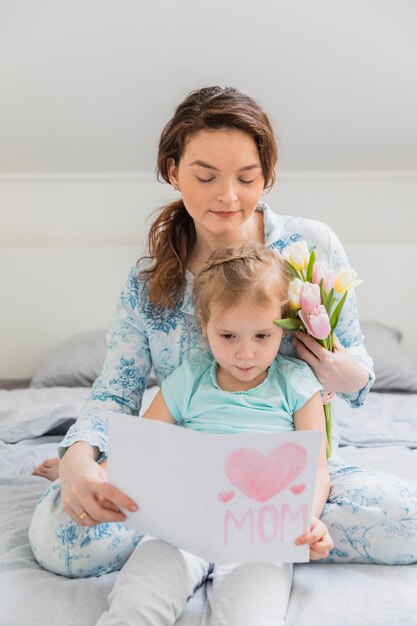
x=322 y=595
x=384 y=419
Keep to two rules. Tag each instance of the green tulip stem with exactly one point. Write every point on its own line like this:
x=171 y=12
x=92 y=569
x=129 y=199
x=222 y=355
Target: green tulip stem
x=328 y=419
x=328 y=344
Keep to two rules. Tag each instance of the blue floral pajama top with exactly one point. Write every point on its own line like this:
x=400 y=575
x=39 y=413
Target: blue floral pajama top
x=143 y=336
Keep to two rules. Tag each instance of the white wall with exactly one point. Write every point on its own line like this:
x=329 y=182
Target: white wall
x=87 y=85
x=115 y=209
x=66 y=243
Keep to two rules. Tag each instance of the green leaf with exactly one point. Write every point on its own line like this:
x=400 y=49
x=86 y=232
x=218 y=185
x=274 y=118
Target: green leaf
x=291 y=270
x=336 y=313
x=328 y=301
x=322 y=293
x=289 y=323
x=309 y=274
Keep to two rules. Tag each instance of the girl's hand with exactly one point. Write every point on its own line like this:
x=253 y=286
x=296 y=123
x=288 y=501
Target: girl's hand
x=318 y=538
x=327 y=397
x=337 y=371
x=84 y=489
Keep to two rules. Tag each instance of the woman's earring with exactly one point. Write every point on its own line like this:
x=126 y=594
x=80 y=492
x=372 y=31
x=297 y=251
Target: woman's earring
x=176 y=188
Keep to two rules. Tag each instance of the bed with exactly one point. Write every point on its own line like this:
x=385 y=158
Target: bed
x=382 y=435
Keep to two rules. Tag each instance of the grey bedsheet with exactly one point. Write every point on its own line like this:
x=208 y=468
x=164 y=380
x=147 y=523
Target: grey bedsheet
x=322 y=595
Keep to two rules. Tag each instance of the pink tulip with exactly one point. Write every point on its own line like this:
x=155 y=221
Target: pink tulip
x=317 y=322
x=309 y=297
x=321 y=271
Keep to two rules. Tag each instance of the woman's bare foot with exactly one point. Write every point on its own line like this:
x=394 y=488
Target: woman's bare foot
x=48 y=469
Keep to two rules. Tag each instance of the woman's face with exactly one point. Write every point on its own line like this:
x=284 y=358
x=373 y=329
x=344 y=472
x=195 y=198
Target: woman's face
x=220 y=178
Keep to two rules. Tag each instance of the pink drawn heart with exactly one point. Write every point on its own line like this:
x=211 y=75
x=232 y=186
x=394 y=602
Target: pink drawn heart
x=225 y=496
x=261 y=477
x=297 y=489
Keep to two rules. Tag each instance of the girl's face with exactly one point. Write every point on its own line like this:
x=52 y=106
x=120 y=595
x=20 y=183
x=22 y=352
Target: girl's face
x=244 y=341
x=220 y=178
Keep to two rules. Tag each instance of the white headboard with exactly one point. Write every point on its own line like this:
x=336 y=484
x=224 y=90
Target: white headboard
x=67 y=243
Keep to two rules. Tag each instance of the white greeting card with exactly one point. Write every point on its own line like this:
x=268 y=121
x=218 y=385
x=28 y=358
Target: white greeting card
x=227 y=498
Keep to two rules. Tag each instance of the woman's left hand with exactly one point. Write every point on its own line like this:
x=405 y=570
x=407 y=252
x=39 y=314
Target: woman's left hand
x=318 y=538
x=337 y=371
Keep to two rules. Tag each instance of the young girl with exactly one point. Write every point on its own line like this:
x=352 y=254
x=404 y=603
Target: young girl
x=240 y=386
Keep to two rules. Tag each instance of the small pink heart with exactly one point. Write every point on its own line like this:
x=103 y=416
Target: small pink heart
x=225 y=496
x=297 y=489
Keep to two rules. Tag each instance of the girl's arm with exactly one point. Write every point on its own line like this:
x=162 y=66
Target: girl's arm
x=311 y=417
x=158 y=410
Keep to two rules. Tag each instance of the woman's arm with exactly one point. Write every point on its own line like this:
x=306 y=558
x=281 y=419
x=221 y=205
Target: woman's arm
x=84 y=488
x=347 y=371
x=337 y=371
x=84 y=482
x=119 y=388
x=122 y=382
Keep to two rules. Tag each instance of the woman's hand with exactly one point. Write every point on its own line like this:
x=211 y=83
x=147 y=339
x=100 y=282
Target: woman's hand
x=85 y=489
x=337 y=371
x=318 y=538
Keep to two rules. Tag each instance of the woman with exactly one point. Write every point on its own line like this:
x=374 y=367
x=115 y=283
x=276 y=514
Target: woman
x=219 y=152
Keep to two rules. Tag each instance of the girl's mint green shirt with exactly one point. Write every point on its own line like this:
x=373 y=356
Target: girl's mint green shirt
x=196 y=401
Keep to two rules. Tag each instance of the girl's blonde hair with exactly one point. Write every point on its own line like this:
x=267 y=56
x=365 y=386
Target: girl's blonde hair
x=249 y=270
x=172 y=235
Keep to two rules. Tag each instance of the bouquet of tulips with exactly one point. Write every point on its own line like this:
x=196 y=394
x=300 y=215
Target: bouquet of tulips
x=317 y=296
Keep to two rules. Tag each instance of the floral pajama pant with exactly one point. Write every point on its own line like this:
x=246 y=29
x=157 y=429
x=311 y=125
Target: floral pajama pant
x=371 y=516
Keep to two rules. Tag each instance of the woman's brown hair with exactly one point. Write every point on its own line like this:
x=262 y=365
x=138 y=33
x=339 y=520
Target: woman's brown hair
x=172 y=235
